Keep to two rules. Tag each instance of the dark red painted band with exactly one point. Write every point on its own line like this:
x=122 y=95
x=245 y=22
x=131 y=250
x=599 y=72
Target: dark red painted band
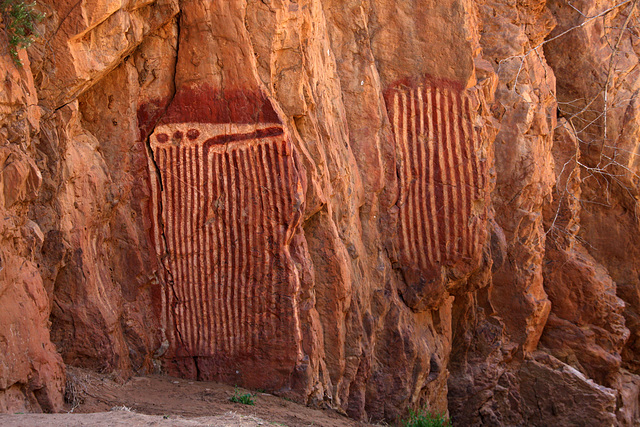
x=260 y=133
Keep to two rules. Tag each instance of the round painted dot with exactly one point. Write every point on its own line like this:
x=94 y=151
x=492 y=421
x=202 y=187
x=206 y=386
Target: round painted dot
x=162 y=137
x=193 y=134
x=178 y=135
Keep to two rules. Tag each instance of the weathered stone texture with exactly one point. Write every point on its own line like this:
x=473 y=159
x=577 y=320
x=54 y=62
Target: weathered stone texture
x=371 y=205
x=31 y=371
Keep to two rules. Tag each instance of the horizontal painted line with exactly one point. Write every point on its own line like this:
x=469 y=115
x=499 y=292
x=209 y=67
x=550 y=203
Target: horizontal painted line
x=260 y=133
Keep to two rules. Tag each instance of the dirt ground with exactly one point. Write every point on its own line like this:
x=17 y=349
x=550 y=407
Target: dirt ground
x=165 y=401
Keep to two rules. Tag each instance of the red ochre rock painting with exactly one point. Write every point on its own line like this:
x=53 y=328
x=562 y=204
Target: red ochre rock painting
x=441 y=178
x=225 y=207
x=204 y=104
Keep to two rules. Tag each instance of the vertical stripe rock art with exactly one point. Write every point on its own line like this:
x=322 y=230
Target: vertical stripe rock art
x=225 y=206
x=441 y=197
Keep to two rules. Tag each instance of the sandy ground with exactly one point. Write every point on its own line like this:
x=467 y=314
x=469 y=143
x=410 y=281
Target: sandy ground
x=165 y=401
x=123 y=418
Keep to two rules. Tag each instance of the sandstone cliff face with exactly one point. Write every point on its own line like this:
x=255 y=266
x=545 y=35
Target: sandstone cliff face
x=374 y=205
x=32 y=371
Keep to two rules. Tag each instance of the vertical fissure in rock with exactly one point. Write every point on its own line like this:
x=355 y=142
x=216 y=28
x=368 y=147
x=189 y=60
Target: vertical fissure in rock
x=167 y=270
x=158 y=177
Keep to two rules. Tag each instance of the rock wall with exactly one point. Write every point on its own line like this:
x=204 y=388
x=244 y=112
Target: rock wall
x=375 y=206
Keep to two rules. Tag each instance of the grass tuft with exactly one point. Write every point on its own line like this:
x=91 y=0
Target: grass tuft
x=426 y=419
x=245 y=399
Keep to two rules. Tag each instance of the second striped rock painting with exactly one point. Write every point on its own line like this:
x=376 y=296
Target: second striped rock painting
x=441 y=178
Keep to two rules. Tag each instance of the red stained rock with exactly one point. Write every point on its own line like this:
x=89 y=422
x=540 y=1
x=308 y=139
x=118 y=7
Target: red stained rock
x=204 y=104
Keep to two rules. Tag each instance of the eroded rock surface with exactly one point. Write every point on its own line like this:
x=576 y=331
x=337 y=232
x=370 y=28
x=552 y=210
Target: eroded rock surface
x=376 y=206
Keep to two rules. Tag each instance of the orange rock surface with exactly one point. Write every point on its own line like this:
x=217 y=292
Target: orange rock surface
x=374 y=206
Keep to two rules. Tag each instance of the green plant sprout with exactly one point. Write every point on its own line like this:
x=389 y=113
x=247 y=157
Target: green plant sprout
x=426 y=419
x=245 y=399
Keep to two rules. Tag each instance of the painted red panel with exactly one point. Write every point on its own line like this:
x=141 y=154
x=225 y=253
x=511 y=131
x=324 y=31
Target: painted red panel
x=204 y=104
x=228 y=200
x=441 y=178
